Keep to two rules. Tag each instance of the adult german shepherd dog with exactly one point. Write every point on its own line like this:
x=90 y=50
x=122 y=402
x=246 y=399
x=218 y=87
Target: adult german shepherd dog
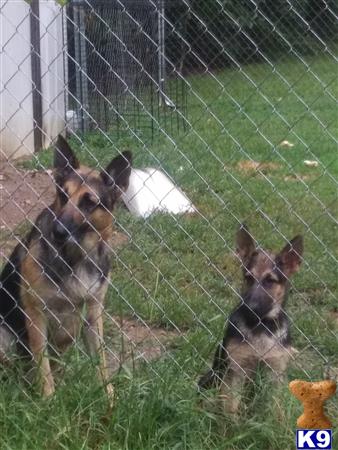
x=258 y=329
x=55 y=281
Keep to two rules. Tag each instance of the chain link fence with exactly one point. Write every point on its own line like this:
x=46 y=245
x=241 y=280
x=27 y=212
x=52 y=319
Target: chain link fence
x=228 y=107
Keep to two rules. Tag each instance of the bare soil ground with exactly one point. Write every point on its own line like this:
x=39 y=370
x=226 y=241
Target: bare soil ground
x=23 y=194
x=134 y=342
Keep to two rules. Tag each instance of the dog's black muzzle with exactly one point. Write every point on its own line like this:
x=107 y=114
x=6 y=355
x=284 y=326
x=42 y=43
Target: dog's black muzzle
x=258 y=301
x=64 y=231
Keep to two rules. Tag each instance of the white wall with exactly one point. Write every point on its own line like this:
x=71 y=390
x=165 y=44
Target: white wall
x=52 y=70
x=16 y=136
x=16 y=132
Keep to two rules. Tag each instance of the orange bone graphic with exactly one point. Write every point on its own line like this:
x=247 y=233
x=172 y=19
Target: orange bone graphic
x=313 y=395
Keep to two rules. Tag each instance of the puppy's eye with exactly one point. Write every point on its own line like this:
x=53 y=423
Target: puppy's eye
x=269 y=280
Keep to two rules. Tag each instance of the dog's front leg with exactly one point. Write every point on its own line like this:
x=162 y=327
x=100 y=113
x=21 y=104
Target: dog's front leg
x=37 y=340
x=231 y=391
x=242 y=367
x=93 y=335
x=277 y=375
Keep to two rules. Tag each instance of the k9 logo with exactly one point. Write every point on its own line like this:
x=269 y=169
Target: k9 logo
x=314 y=439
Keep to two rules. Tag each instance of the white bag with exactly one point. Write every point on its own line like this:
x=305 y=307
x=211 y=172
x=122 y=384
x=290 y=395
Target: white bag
x=151 y=191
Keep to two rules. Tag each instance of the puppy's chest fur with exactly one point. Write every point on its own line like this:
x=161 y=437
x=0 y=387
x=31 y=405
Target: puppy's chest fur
x=264 y=342
x=265 y=339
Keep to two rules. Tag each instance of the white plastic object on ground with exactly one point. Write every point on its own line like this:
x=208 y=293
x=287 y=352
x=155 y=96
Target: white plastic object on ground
x=150 y=190
x=311 y=163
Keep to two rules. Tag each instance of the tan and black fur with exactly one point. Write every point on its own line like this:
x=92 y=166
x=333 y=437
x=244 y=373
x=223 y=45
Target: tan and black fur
x=258 y=329
x=62 y=267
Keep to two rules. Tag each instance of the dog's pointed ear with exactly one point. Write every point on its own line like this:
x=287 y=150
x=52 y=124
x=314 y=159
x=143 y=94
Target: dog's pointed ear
x=245 y=245
x=290 y=258
x=65 y=160
x=117 y=173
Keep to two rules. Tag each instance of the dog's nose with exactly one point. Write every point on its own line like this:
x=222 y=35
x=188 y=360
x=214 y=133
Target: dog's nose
x=60 y=231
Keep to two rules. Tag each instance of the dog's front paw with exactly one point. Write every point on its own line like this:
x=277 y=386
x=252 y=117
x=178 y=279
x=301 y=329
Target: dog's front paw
x=111 y=394
x=48 y=388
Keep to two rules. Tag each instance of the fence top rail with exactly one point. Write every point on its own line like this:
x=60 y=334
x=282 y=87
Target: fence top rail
x=121 y=4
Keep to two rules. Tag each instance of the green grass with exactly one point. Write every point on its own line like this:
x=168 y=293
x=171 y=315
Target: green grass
x=180 y=272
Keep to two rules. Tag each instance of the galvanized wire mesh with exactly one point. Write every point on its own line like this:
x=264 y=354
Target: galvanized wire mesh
x=121 y=48
x=212 y=78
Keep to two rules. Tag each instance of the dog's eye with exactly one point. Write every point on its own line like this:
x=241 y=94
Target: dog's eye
x=89 y=201
x=249 y=278
x=63 y=195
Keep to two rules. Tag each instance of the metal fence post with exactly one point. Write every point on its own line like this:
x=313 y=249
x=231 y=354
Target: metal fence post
x=36 y=73
x=81 y=62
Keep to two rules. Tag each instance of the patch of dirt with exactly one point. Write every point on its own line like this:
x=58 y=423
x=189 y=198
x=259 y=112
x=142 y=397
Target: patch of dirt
x=297 y=177
x=134 y=342
x=23 y=194
x=333 y=315
x=253 y=166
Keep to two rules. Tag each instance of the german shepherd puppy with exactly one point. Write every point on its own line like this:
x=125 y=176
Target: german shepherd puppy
x=57 y=278
x=258 y=329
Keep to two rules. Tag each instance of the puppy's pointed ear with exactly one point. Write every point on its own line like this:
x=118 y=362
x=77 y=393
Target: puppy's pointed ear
x=290 y=258
x=65 y=160
x=117 y=173
x=245 y=245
